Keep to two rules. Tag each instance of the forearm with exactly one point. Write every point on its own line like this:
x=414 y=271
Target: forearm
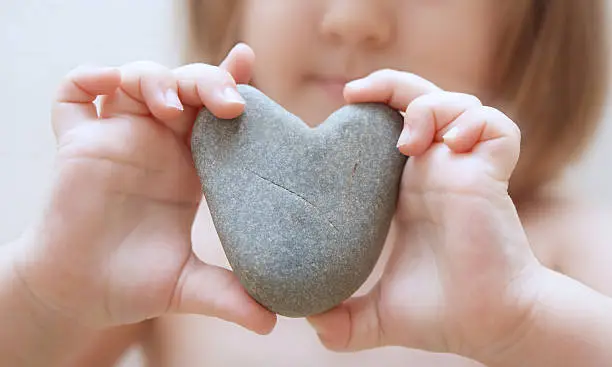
x=572 y=327
x=30 y=334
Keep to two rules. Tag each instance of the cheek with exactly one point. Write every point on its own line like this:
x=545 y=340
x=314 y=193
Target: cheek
x=456 y=54
x=454 y=67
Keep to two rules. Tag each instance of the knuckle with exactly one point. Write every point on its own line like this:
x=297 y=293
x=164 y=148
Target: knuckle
x=469 y=99
x=76 y=72
x=145 y=69
x=193 y=68
x=497 y=117
x=386 y=74
x=203 y=73
x=429 y=100
x=441 y=97
x=381 y=72
x=411 y=80
x=72 y=80
x=463 y=99
x=397 y=79
x=144 y=65
x=222 y=75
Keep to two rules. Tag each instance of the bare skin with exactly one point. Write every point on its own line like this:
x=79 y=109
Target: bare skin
x=186 y=340
x=176 y=339
x=465 y=276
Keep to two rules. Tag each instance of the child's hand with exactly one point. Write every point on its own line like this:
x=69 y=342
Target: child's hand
x=114 y=243
x=459 y=276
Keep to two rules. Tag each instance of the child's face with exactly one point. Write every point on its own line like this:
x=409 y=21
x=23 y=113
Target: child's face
x=307 y=50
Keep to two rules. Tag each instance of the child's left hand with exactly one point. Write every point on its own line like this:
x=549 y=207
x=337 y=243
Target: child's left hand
x=461 y=278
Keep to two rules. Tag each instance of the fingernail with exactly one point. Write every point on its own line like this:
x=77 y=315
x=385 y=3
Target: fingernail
x=172 y=100
x=231 y=95
x=451 y=134
x=404 y=137
x=358 y=84
x=108 y=69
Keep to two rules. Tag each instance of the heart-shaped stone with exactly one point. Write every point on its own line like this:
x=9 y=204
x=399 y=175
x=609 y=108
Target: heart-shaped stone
x=302 y=213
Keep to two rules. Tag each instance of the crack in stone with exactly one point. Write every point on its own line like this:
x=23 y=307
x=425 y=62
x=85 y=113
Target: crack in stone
x=294 y=194
x=354 y=170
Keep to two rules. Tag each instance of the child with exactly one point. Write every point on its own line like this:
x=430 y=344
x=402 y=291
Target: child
x=462 y=279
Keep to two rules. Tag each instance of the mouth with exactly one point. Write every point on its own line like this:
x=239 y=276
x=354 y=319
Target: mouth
x=331 y=86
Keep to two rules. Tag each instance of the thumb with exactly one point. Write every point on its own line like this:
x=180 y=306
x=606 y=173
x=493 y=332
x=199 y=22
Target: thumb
x=213 y=291
x=239 y=63
x=352 y=326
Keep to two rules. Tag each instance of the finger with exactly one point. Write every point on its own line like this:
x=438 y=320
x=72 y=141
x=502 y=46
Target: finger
x=488 y=132
x=209 y=86
x=74 y=103
x=147 y=88
x=239 y=63
x=352 y=326
x=395 y=88
x=428 y=116
x=216 y=292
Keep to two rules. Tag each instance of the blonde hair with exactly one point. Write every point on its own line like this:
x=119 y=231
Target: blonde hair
x=552 y=66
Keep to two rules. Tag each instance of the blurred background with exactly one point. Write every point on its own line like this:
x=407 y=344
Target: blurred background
x=41 y=40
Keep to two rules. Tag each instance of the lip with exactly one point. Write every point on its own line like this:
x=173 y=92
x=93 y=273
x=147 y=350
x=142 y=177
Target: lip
x=332 y=86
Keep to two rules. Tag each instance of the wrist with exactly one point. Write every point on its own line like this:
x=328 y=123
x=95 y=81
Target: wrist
x=571 y=326
x=31 y=333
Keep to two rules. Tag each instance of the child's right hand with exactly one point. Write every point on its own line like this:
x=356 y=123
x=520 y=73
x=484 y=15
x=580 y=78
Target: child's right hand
x=114 y=243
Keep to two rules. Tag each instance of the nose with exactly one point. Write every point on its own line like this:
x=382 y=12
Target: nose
x=358 y=22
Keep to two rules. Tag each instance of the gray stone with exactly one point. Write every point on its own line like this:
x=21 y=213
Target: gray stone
x=302 y=213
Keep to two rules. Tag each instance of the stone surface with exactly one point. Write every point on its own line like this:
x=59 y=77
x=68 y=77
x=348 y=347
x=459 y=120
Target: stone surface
x=302 y=213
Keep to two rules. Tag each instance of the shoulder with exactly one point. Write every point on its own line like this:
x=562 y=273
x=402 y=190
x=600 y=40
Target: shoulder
x=576 y=236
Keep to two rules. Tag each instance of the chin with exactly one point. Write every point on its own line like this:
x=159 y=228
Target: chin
x=316 y=116
x=316 y=110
